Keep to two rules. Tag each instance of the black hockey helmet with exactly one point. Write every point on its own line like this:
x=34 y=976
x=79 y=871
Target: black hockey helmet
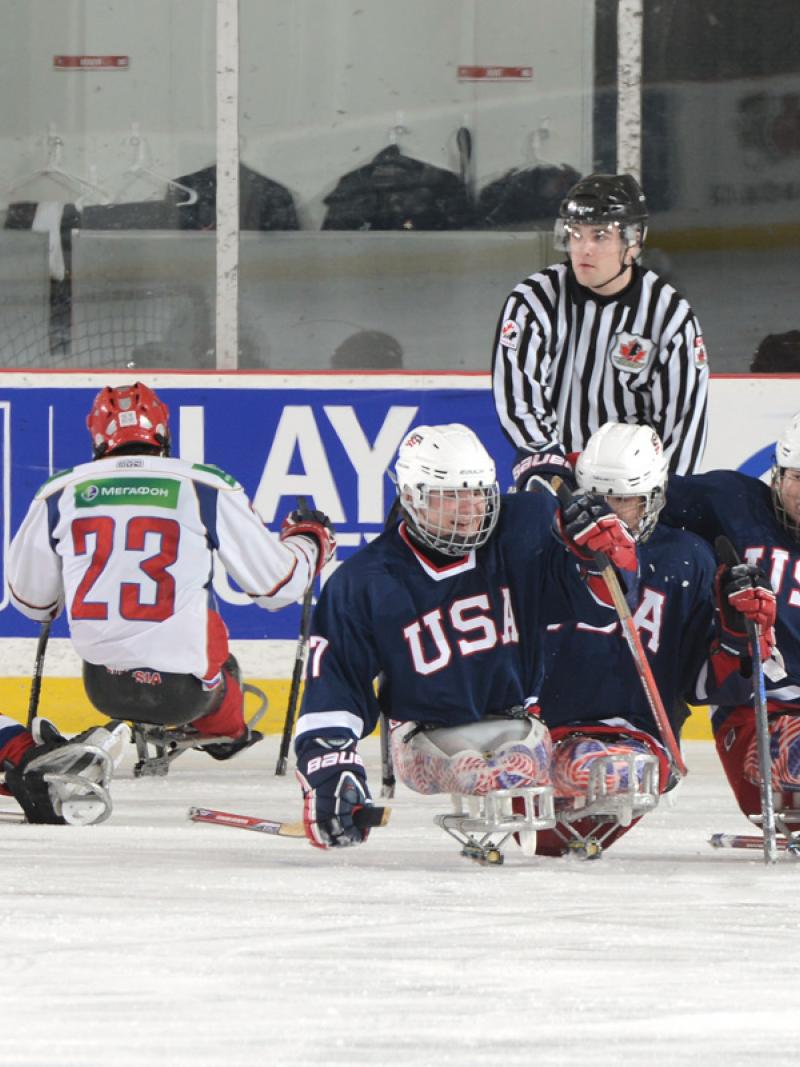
x=604 y=199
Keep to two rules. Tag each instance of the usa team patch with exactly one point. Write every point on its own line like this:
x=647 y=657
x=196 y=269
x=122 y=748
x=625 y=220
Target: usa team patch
x=631 y=353
x=509 y=334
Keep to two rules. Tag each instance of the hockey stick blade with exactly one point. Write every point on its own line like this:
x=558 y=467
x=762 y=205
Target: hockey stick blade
x=752 y=841
x=369 y=816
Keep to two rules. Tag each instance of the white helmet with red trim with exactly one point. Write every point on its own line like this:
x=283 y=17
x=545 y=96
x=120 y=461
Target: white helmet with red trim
x=624 y=460
x=447 y=486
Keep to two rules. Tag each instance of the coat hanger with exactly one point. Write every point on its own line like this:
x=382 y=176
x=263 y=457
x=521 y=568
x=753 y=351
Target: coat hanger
x=538 y=138
x=56 y=172
x=397 y=131
x=139 y=169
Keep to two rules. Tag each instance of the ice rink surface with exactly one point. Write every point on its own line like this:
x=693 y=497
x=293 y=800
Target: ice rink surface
x=150 y=940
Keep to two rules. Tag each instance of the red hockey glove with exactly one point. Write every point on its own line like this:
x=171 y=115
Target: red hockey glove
x=313 y=524
x=743 y=593
x=588 y=525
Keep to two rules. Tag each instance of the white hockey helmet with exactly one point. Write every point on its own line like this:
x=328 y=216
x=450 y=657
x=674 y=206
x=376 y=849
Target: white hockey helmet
x=787 y=457
x=447 y=485
x=624 y=460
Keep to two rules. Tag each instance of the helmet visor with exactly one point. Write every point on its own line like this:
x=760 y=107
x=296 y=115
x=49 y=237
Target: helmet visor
x=569 y=234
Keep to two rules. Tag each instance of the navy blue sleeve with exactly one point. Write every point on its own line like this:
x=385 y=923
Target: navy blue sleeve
x=339 y=696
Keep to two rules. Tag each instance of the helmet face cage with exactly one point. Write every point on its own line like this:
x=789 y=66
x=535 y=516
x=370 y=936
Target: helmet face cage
x=787 y=457
x=128 y=415
x=626 y=462
x=452 y=521
x=653 y=504
x=447 y=487
x=776 y=487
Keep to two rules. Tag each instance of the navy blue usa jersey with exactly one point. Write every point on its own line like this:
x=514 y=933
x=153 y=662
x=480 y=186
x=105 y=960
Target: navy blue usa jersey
x=449 y=643
x=740 y=507
x=590 y=673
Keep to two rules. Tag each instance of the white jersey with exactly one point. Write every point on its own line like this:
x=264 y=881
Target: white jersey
x=125 y=543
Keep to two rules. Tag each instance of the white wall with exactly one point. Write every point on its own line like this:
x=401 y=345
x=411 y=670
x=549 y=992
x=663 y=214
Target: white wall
x=322 y=84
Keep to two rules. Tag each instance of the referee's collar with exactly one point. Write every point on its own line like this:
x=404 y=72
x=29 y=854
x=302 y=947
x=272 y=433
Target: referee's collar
x=581 y=294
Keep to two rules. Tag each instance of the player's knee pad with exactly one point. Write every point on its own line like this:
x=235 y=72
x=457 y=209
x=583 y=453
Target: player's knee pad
x=784 y=744
x=577 y=759
x=473 y=759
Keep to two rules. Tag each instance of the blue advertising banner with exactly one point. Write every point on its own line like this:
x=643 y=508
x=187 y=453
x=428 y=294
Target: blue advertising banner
x=328 y=438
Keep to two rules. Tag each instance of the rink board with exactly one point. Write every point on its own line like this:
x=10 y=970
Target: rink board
x=327 y=436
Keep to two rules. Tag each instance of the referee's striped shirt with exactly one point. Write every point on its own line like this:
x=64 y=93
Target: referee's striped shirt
x=566 y=361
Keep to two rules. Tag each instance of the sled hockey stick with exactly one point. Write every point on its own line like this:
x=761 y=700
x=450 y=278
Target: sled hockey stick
x=300 y=653
x=634 y=643
x=753 y=841
x=368 y=816
x=297 y=677
x=388 y=780
x=38 y=668
x=727 y=555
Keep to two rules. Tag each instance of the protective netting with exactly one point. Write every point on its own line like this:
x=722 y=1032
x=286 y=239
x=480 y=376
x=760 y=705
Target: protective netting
x=164 y=327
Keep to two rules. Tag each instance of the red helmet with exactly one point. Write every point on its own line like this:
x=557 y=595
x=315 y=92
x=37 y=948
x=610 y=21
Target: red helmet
x=127 y=415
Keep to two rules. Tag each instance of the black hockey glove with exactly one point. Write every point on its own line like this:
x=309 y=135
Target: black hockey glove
x=314 y=524
x=588 y=525
x=534 y=471
x=27 y=785
x=334 y=783
x=743 y=593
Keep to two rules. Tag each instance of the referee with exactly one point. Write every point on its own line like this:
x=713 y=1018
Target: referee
x=597 y=339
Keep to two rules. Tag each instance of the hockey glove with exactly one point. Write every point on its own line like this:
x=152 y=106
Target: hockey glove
x=588 y=525
x=314 y=524
x=743 y=593
x=334 y=783
x=534 y=471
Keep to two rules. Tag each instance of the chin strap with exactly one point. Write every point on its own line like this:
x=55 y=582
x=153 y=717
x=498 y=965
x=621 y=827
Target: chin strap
x=614 y=277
